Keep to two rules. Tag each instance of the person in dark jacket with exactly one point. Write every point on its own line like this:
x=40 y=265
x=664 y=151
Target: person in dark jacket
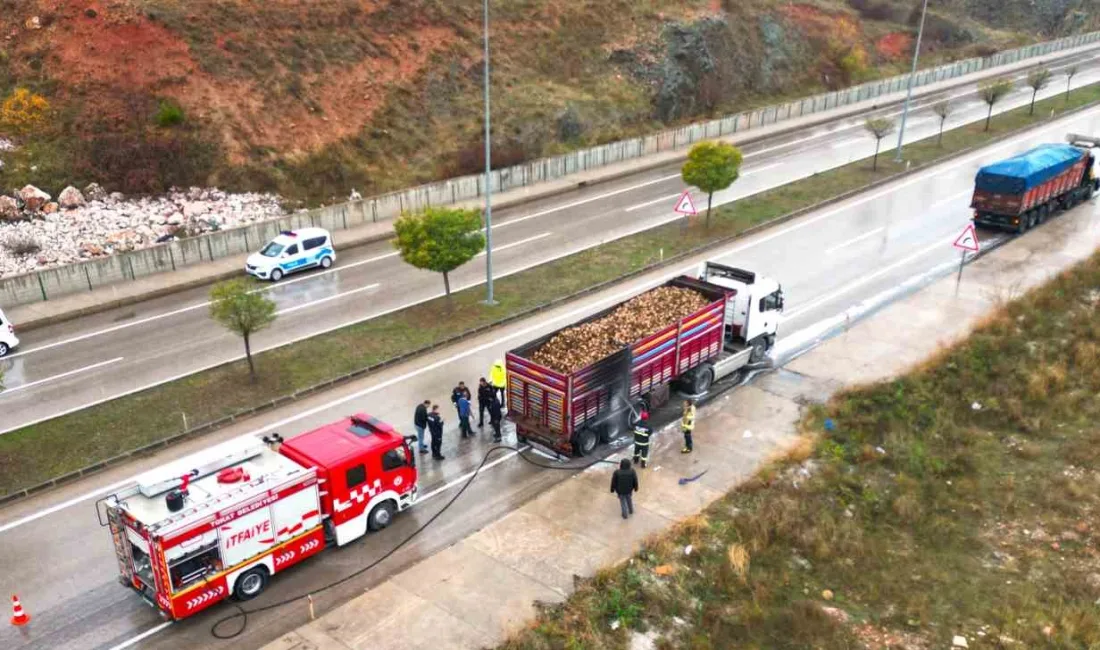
x=496 y=414
x=459 y=391
x=435 y=426
x=624 y=482
x=484 y=397
x=420 y=422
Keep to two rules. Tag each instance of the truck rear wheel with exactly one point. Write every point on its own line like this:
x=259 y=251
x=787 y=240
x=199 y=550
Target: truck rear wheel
x=702 y=379
x=251 y=583
x=584 y=442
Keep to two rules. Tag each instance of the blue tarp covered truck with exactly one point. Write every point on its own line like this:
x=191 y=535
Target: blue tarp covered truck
x=1023 y=191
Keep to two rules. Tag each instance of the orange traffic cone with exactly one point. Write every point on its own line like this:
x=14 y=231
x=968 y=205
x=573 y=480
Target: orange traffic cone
x=18 y=617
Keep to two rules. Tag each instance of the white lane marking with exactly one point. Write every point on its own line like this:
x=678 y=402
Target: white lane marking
x=855 y=240
x=763 y=168
x=63 y=375
x=465 y=477
x=662 y=199
x=497 y=249
x=574 y=204
x=832 y=295
x=849 y=142
x=141 y=637
x=314 y=303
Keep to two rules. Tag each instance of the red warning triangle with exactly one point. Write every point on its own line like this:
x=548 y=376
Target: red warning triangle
x=968 y=240
x=684 y=204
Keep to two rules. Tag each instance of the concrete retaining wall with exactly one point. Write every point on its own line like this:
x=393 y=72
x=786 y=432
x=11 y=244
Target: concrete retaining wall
x=85 y=276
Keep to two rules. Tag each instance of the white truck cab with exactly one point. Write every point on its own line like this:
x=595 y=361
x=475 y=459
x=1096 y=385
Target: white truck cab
x=292 y=251
x=8 y=340
x=752 y=313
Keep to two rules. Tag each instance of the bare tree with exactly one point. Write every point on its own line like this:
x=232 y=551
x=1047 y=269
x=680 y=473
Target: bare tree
x=992 y=92
x=942 y=110
x=879 y=128
x=1071 y=72
x=1037 y=80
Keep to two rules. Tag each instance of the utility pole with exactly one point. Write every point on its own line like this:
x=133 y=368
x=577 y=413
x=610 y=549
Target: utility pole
x=912 y=74
x=488 y=175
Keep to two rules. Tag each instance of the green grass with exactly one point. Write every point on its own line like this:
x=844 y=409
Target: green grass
x=49 y=449
x=967 y=521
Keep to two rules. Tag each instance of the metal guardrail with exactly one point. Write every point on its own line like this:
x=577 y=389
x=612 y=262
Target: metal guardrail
x=86 y=276
x=457 y=338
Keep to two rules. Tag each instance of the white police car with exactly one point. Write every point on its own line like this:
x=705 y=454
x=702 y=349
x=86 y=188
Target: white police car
x=292 y=250
x=8 y=341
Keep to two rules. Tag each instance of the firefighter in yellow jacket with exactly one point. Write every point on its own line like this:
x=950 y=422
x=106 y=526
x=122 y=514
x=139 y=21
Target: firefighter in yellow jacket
x=687 y=425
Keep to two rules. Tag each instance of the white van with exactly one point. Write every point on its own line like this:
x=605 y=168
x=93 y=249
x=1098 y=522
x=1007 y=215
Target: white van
x=8 y=341
x=292 y=250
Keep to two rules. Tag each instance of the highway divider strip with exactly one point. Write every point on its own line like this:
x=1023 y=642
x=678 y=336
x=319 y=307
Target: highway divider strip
x=198 y=430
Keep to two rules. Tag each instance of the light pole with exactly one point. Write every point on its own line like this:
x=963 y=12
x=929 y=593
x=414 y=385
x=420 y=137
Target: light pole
x=912 y=73
x=488 y=176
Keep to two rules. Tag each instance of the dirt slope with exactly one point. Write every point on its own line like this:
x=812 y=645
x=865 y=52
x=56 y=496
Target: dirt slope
x=313 y=99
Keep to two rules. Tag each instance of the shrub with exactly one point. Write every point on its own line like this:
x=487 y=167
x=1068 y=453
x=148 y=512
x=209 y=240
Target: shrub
x=21 y=244
x=169 y=114
x=141 y=163
x=24 y=111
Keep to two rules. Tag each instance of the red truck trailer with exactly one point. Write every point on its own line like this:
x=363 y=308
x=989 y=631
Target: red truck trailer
x=573 y=412
x=221 y=522
x=1023 y=191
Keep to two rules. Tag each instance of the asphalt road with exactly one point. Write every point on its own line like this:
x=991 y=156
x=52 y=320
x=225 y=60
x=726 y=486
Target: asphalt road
x=846 y=258
x=73 y=365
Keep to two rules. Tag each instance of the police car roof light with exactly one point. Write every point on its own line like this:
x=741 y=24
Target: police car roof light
x=288 y=233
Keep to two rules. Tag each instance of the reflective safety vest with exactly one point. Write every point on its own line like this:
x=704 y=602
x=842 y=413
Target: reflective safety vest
x=687 y=423
x=641 y=435
x=496 y=375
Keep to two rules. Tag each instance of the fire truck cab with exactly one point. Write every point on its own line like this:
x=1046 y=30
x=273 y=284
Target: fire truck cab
x=221 y=522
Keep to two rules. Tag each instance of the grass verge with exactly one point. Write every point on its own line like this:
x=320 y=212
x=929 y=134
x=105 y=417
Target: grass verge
x=56 y=447
x=960 y=499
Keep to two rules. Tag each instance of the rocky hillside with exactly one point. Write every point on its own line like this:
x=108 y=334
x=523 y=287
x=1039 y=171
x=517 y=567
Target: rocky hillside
x=313 y=99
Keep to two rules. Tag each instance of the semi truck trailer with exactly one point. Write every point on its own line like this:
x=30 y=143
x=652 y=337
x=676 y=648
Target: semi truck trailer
x=1022 y=192
x=573 y=412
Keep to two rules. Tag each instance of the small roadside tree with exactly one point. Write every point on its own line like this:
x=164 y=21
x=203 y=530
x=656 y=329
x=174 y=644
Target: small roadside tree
x=712 y=167
x=992 y=92
x=1037 y=80
x=942 y=110
x=1071 y=72
x=440 y=239
x=243 y=312
x=879 y=128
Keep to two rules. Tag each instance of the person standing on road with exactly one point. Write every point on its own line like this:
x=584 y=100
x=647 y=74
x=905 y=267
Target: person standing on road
x=435 y=426
x=420 y=422
x=624 y=482
x=497 y=377
x=463 y=405
x=642 y=431
x=484 y=396
x=459 y=391
x=687 y=425
x=495 y=416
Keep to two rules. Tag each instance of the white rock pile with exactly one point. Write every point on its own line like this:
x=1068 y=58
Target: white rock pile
x=37 y=232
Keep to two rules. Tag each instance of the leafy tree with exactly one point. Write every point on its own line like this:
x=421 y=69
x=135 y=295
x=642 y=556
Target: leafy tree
x=712 y=167
x=942 y=110
x=1071 y=72
x=1037 y=80
x=440 y=239
x=23 y=110
x=879 y=128
x=992 y=92
x=242 y=311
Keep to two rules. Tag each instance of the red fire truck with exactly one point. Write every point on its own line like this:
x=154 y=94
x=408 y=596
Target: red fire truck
x=221 y=522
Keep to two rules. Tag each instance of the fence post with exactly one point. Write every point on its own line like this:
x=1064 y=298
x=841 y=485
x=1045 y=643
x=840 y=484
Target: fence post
x=42 y=287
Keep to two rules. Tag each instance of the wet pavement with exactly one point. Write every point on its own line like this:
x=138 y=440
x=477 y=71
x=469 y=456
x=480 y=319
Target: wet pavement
x=72 y=365
x=55 y=556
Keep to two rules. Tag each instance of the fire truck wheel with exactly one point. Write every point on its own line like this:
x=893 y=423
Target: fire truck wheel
x=381 y=516
x=251 y=583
